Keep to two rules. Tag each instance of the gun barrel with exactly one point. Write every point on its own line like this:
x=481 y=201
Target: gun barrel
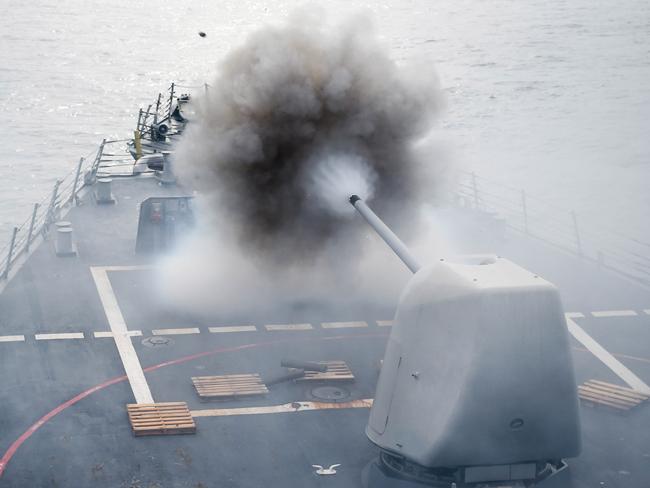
x=385 y=233
x=306 y=365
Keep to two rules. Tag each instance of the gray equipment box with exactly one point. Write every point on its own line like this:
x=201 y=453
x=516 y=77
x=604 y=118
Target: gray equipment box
x=162 y=221
x=477 y=371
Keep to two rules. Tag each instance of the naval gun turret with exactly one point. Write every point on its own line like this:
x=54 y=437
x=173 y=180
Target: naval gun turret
x=477 y=385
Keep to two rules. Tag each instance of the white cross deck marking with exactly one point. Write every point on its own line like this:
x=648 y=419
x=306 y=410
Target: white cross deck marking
x=385 y=323
x=187 y=330
x=64 y=335
x=288 y=327
x=234 y=328
x=130 y=333
x=125 y=348
x=135 y=267
x=614 y=313
x=12 y=338
x=343 y=325
x=608 y=360
x=575 y=315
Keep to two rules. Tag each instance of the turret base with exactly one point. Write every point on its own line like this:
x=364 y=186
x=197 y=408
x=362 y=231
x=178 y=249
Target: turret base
x=382 y=473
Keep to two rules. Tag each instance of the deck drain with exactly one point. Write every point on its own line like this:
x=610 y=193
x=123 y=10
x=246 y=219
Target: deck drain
x=330 y=393
x=156 y=341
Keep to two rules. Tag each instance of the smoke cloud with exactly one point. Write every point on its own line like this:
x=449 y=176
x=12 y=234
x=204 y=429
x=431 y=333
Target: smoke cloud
x=301 y=116
x=290 y=98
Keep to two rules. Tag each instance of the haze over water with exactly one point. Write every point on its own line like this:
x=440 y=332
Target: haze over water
x=548 y=96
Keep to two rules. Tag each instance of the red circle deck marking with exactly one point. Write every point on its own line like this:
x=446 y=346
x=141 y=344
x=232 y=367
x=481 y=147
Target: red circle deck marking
x=15 y=445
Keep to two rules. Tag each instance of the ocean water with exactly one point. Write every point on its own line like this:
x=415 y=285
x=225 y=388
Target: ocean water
x=552 y=97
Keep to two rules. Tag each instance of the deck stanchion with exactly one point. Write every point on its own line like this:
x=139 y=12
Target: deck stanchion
x=76 y=180
x=577 y=233
x=31 y=227
x=148 y=113
x=145 y=119
x=158 y=102
x=525 y=210
x=49 y=217
x=98 y=158
x=137 y=126
x=171 y=100
x=10 y=252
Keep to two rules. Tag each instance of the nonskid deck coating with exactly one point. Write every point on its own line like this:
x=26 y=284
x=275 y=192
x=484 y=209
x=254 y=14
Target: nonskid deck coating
x=640 y=328
x=89 y=443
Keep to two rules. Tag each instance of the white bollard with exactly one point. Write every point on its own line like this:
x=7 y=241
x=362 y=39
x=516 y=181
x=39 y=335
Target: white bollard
x=64 y=244
x=103 y=193
x=166 y=176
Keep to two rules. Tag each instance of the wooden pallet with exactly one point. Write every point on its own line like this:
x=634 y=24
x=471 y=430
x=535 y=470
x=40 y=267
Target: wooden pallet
x=229 y=386
x=599 y=393
x=336 y=371
x=160 y=418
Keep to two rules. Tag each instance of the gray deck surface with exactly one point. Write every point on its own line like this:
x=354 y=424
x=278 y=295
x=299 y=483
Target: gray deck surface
x=90 y=443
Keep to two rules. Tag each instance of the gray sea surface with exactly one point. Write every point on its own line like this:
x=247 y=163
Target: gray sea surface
x=553 y=97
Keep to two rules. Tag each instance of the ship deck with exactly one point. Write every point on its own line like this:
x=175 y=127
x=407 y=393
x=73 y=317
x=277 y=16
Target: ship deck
x=64 y=394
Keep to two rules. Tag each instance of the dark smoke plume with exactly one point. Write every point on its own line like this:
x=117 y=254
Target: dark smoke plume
x=288 y=99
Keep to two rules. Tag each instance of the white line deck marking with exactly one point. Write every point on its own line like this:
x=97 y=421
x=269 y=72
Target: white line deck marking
x=575 y=315
x=610 y=361
x=647 y=311
x=187 y=330
x=136 y=267
x=385 y=323
x=125 y=348
x=12 y=338
x=285 y=408
x=130 y=333
x=614 y=313
x=235 y=328
x=64 y=335
x=343 y=325
x=288 y=327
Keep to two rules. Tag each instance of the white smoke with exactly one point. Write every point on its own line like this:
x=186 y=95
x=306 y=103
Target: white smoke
x=335 y=177
x=300 y=117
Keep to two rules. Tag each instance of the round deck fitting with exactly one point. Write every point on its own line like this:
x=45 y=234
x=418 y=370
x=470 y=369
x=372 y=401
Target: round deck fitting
x=156 y=341
x=329 y=393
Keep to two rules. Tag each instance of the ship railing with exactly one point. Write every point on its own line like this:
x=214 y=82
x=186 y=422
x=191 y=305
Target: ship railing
x=103 y=161
x=164 y=106
x=522 y=212
x=161 y=111
x=109 y=159
x=536 y=218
